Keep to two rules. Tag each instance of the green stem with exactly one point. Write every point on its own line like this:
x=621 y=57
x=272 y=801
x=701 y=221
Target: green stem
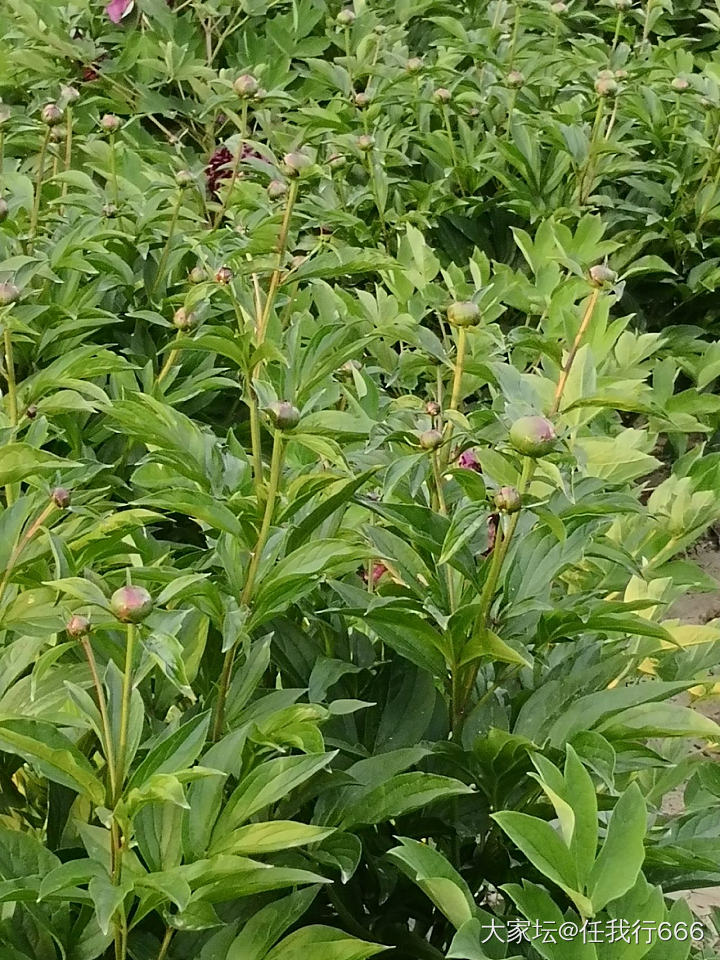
x=165 y=945
x=272 y=494
x=567 y=367
x=23 y=542
x=451 y=144
x=513 y=42
x=456 y=394
x=113 y=171
x=38 y=190
x=587 y=173
x=125 y=709
x=275 y=278
x=102 y=707
x=166 y=249
x=169 y=361
x=462 y=687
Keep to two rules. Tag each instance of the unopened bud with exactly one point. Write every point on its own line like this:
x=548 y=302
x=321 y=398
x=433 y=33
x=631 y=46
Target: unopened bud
x=365 y=142
x=9 y=293
x=61 y=498
x=680 y=84
x=345 y=18
x=276 y=189
x=184 y=179
x=110 y=210
x=433 y=408
x=197 y=275
x=223 y=275
x=606 y=86
x=3 y=209
x=246 y=86
x=601 y=275
x=507 y=500
x=51 y=114
x=283 y=415
x=515 y=79
x=184 y=319
x=463 y=313
x=297 y=163
x=131 y=604
x=77 y=627
x=110 y=123
x=431 y=439
x=442 y=95
x=414 y=65
x=533 y=436
x=31 y=412
x=362 y=99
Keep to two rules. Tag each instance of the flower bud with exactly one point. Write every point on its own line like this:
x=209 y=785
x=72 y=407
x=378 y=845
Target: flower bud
x=61 y=498
x=680 y=84
x=622 y=4
x=246 y=86
x=533 y=436
x=345 y=18
x=337 y=161
x=276 y=189
x=468 y=461
x=365 y=142
x=431 y=439
x=110 y=210
x=283 y=415
x=606 y=84
x=58 y=134
x=463 y=313
x=515 y=79
x=131 y=604
x=31 y=412
x=197 y=275
x=5 y=114
x=77 y=627
x=184 y=319
x=69 y=94
x=347 y=369
x=297 y=261
x=559 y=8
x=184 y=179
x=362 y=99
x=51 y=114
x=433 y=408
x=296 y=164
x=3 y=209
x=507 y=500
x=414 y=64
x=442 y=95
x=601 y=275
x=110 y=123
x=621 y=74
x=9 y=293
x=223 y=275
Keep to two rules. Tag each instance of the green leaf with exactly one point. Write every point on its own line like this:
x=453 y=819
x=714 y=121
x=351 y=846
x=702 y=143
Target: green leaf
x=267 y=925
x=435 y=876
x=273 y=836
x=621 y=857
x=18 y=461
x=323 y=943
x=56 y=757
x=401 y=794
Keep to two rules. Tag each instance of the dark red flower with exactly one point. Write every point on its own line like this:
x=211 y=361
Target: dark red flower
x=220 y=166
x=493 y=521
x=378 y=571
x=469 y=461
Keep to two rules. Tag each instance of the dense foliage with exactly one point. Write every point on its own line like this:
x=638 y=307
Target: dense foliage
x=357 y=419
